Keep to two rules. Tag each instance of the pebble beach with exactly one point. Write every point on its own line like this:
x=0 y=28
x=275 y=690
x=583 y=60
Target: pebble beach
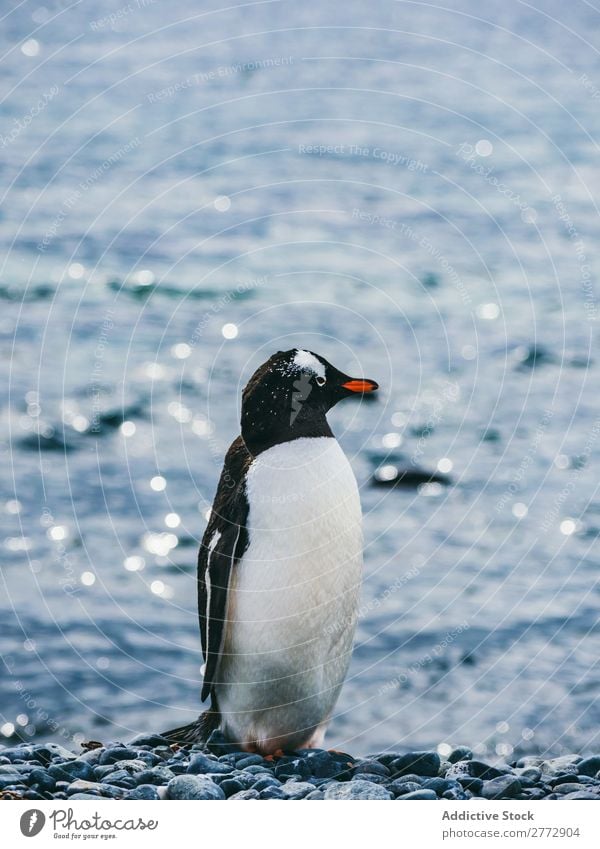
x=149 y=768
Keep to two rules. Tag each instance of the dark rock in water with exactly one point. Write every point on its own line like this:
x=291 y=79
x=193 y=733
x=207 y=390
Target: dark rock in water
x=503 y=787
x=430 y=280
x=111 y=420
x=420 y=794
x=47 y=441
x=461 y=753
x=589 y=766
x=421 y=763
x=202 y=763
x=39 y=292
x=356 y=790
x=391 y=476
x=532 y=356
x=193 y=787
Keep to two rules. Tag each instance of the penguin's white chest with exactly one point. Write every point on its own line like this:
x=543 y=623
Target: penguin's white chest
x=293 y=601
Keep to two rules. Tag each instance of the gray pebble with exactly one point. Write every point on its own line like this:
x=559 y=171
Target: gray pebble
x=120 y=753
x=421 y=763
x=419 y=794
x=356 y=790
x=589 y=766
x=571 y=787
x=144 y=791
x=461 y=753
x=245 y=794
x=193 y=787
x=93 y=796
x=297 y=789
x=582 y=795
x=400 y=787
x=374 y=779
x=440 y=785
x=502 y=787
x=203 y=764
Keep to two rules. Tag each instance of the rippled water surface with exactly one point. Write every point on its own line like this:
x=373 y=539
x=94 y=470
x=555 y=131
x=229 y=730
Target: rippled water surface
x=405 y=189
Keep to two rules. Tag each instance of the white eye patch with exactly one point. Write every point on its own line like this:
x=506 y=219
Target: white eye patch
x=308 y=362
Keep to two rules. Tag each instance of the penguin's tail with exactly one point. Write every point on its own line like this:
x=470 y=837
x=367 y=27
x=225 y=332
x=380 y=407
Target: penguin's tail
x=196 y=732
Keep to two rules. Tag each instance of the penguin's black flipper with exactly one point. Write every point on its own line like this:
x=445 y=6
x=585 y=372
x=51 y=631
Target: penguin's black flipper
x=223 y=544
x=196 y=732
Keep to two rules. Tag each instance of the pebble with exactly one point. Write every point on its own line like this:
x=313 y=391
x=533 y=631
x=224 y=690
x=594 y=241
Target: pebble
x=356 y=790
x=502 y=787
x=143 y=791
x=203 y=764
x=589 y=766
x=245 y=794
x=461 y=753
x=420 y=794
x=111 y=756
x=297 y=789
x=399 y=787
x=423 y=763
x=193 y=787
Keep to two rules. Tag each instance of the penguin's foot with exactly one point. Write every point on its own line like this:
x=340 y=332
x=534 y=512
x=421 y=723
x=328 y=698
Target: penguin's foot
x=278 y=753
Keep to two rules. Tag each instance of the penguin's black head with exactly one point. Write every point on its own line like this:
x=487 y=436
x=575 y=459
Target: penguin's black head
x=288 y=397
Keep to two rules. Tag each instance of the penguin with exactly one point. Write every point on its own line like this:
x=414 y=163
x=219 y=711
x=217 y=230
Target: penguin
x=280 y=564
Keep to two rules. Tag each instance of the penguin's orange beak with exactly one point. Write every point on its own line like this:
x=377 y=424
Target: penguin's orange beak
x=362 y=386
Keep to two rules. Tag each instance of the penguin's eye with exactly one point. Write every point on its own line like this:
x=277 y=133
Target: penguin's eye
x=321 y=381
